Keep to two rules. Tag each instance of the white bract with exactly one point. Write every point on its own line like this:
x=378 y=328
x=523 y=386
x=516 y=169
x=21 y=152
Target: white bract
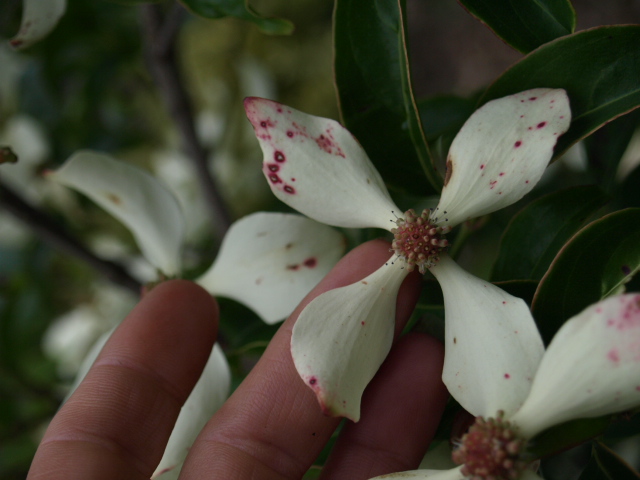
x=317 y=167
x=268 y=261
x=39 y=18
x=592 y=366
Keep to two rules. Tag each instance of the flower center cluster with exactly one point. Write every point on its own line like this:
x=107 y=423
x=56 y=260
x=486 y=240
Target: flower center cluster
x=417 y=240
x=491 y=450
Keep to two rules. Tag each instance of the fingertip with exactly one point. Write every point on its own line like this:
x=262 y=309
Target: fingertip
x=122 y=413
x=177 y=319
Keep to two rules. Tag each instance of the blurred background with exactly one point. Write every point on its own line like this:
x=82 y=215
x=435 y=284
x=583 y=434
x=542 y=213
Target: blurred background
x=90 y=85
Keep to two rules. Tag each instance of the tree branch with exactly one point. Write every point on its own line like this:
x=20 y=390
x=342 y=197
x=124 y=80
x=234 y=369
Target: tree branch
x=159 y=33
x=53 y=232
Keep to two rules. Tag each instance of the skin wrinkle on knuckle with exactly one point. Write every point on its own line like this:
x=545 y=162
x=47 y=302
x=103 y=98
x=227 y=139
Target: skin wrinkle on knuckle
x=263 y=453
x=135 y=366
x=134 y=397
x=116 y=448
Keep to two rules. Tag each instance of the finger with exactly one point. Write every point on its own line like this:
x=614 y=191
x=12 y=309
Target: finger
x=116 y=424
x=401 y=409
x=272 y=427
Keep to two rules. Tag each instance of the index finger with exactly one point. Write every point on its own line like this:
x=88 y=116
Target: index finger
x=116 y=424
x=272 y=426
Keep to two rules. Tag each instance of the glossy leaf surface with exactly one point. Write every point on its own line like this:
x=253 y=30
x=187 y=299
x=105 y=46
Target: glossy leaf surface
x=605 y=464
x=593 y=265
x=526 y=24
x=374 y=91
x=599 y=68
x=536 y=234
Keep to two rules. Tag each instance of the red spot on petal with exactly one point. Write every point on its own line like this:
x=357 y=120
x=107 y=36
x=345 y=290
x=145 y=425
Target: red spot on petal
x=274 y=178
x=517 y=144
x=613 y=355
x=533 y=98
x=504 y=302
x=362 y=322
x=289 y=189
x=541 y=125
x=328 y=144
x=629 y=317
x=506 y=375
x=310 y=262
x=263 y=124
x=526 y=181
x=293 y=267
x=279 y=156
x=279 y=109
x=273 y=167
x=313 y=381
x=482 y=167
x=501 y=174
x=289 y=134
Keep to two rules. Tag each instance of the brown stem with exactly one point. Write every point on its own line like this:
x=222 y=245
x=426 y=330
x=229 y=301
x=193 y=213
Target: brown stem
x=51 y=231
x=159 y=33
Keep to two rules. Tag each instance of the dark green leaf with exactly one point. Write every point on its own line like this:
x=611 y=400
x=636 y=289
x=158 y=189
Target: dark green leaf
x=526 y=24
x=593 y=265
x=599 y=69
x=568 y=434
x=536 y=234
x=239 y=9
x=607 y=465
x=444 y=115
x=606 y=147
x=374 y=90
x=630 y=192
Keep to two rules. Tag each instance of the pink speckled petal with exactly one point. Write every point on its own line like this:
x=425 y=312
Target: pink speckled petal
x=342 y=337
x=492 y=345
x=591 y=368
x=501 y=152
x=208 y=395
x=316 y=166
x=39 y=17
x=145 y=206
x=453 y=474
x=270 y=261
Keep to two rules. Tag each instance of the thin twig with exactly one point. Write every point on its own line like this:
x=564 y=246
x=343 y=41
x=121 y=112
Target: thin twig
x=159 y=34
x=54 y=233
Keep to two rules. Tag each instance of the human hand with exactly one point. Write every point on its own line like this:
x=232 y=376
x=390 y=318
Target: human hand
x=118 y=421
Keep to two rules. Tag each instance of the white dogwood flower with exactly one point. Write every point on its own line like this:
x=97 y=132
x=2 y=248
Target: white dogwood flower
x=591 y=368
x=317 y=167
x=268 y=261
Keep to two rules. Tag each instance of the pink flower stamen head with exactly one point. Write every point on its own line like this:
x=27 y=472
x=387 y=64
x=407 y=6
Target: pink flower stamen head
x=418 y=241
x=491 y=450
